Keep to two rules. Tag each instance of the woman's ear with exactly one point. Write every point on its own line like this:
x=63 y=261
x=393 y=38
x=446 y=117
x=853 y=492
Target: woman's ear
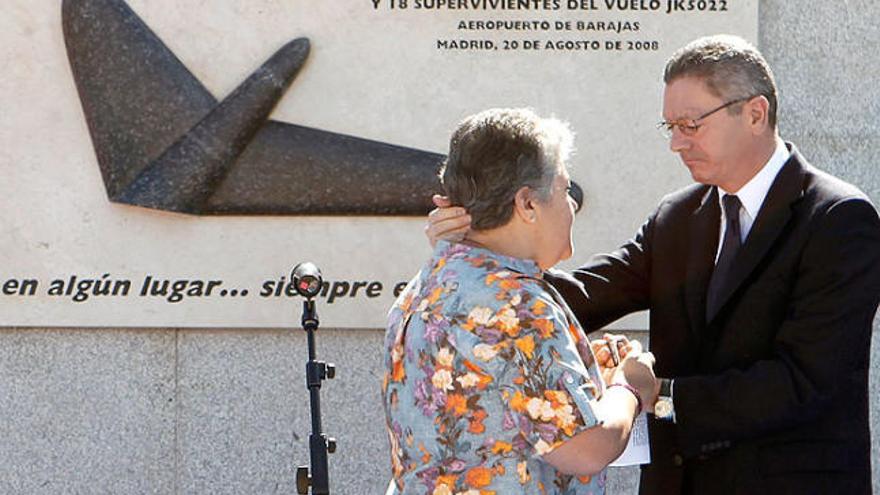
x=524 y=205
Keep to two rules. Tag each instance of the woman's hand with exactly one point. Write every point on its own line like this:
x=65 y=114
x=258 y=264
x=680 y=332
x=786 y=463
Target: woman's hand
x=592 y=449
x=605 y=358
x=446 y=222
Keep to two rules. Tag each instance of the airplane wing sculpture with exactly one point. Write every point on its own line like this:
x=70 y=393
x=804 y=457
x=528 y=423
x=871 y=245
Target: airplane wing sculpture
x=163 y=141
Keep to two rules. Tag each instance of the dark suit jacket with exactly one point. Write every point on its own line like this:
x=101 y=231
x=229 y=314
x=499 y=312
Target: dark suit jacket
x=771 y=396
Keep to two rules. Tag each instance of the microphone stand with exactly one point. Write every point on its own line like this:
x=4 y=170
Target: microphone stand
x=319 y=444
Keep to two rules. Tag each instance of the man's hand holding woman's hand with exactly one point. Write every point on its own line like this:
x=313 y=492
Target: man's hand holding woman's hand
x=605 y=358
x=636 y=368
x=446 y=222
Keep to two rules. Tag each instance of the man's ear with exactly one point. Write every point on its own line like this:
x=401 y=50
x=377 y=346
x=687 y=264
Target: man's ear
x=758 y=112
x=524 y=205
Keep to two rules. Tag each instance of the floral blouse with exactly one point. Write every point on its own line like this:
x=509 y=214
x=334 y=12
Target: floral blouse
x=484 y=373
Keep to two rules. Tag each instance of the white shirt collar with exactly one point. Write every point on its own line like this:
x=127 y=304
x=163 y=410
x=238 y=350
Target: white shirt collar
x=752 y=194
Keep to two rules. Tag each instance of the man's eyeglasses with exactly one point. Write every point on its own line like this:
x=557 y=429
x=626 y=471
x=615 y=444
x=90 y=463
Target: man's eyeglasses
x=689 y=127
x=577 y=194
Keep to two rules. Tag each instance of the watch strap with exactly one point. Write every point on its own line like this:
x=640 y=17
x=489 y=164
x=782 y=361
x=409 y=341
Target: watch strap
x=665 y=387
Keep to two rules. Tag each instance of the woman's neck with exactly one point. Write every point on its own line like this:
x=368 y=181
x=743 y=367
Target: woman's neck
x=507 y=240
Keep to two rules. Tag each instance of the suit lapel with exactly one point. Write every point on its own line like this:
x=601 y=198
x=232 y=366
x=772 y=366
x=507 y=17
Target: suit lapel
x=772 y=218
x=703 y=242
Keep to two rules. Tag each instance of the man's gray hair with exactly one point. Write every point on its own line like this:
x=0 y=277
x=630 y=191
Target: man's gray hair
x=731 y=68
x=494 y=153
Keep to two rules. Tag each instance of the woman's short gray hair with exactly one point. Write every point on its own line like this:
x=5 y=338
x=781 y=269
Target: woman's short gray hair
x=730 y=66
x=494 y=153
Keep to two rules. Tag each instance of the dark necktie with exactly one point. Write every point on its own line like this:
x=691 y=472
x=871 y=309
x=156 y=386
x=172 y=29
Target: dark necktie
x=729 y=247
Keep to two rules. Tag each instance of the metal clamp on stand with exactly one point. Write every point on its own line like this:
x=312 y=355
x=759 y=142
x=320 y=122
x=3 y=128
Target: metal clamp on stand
x=307 y=280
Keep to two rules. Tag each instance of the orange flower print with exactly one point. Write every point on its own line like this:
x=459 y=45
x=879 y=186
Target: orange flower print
x=476 y=427
x=476 y=377
x=440 y=264
x=435 y=295
x=545 y=327
x=557 y=398
x=485 y=380
x=519 y=402
x=493 y=276
x=476 y=422
x=566 y=420
x=398 y=373
x=478 y=477
x=501 y=447
x=526 y=345
x=447 y=479
x=538 y=307
x=457 y=404
x=507 y=321
x=407 y=301
x=426 y=456
x=509 y=284
x=477 y=261
x=471 y=366
x=445 y=484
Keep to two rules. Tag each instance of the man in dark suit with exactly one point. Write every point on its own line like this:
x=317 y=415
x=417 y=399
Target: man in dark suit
x=762 y=281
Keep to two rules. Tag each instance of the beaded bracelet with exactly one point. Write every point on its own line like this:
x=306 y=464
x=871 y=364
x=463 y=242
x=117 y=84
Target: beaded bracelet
x=635 y=392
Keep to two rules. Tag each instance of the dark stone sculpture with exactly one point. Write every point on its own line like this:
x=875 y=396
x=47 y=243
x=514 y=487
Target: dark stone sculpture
x=163 y=141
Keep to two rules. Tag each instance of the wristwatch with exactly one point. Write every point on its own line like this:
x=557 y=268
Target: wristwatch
x=664 y=408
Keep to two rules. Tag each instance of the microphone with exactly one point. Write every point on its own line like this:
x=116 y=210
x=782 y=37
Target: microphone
x=307 y=279
x=315 y=476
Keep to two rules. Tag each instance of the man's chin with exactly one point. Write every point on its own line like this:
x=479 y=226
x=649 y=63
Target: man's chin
x=700 y=177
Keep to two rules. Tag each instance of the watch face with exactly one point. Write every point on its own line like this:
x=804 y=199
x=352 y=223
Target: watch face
x=663 y=408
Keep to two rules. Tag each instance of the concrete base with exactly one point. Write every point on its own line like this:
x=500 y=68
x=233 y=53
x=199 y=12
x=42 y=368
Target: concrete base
x=173 y=411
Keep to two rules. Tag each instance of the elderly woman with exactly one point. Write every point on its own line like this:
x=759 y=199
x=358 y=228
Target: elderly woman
x=490 y=384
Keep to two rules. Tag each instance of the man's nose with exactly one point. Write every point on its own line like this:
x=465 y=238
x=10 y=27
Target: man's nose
x=678 y=142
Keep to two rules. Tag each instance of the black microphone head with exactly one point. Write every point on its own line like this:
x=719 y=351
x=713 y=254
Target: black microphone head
x=307 y=279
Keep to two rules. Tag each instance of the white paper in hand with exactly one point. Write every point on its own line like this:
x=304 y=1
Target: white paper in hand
x=638 y=449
